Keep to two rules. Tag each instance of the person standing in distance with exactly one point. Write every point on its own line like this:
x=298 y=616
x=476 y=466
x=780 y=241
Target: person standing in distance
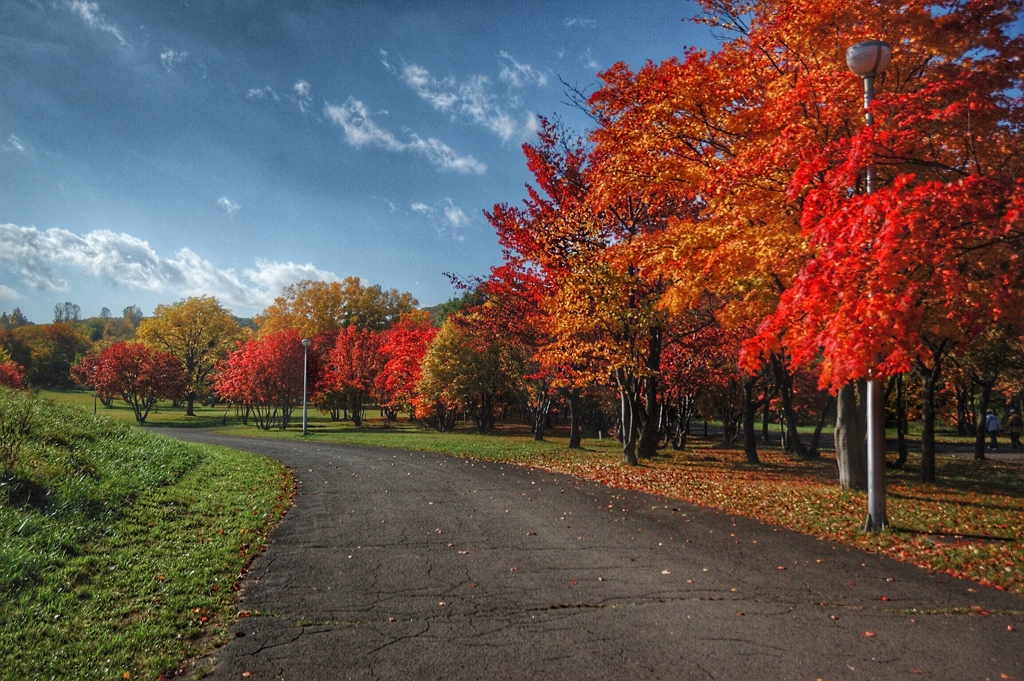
x=1015 y=424
x=993 y=427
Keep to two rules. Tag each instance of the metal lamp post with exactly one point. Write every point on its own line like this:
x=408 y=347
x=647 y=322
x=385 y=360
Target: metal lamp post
x=867 y=60
x=305 y=365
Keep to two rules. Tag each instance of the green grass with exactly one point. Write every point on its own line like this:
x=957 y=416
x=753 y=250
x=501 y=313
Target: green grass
x=163 y=415
x=121 y=549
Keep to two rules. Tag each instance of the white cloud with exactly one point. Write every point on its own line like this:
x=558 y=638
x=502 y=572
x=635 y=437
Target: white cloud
x=8 y=293
x=446 y=219
x=354 y=119
x=303 y=96
x=171 y=58
x=228 y=205
x=520 y=75
x=260 y=93
x=124 y=260
x=473 y=98
x=93 y=18
x=15 y=144
x=581 y=22
x=455 y=215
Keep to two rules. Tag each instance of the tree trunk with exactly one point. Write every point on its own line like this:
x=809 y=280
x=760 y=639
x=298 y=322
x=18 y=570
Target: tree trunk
x=901 y=422
x=930 y=379
x=962 y=393
x=357 y=411
x=986 y=384
x=572 y=397
x=651 y=417
x=190 y=401
x=851 y=447
x=628 y=413
x=541 y=415
x=820 y=425
x=766 y=421
x=749 y=414
x=785 y=382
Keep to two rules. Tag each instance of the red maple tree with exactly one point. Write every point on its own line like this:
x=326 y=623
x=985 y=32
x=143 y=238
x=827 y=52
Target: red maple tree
x=139 y=375
x=264 y=375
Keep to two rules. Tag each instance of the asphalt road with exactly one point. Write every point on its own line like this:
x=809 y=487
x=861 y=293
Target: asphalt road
x=405 y=565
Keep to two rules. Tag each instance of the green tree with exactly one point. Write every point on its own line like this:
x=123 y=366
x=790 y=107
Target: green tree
x=463 y=370
x=52 y=350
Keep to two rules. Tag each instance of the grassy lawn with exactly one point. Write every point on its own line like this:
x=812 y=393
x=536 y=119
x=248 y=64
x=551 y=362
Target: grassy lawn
x=121 y=550
x=163 y=415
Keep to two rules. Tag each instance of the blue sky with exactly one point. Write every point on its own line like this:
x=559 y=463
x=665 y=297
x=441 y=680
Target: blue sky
x=156 y=149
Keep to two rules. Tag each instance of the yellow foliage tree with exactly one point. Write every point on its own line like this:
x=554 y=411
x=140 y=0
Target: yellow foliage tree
x=199 y=332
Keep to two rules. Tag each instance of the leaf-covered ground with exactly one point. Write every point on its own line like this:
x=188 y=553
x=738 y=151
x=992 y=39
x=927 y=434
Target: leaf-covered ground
x=969 y=524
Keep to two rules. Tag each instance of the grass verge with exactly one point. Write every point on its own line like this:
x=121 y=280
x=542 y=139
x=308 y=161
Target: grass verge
x=120 y=549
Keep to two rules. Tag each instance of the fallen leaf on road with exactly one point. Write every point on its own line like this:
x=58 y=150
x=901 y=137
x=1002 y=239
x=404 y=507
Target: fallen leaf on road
x=869 y=634
x=665 y=572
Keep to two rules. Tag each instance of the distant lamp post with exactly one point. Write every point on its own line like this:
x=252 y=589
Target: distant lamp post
x=867 y=60
x=95 y=390
x=305 y=366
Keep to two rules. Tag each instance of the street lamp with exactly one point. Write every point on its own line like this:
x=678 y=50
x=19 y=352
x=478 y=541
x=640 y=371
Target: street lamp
x=867 y=60
x=305 y=364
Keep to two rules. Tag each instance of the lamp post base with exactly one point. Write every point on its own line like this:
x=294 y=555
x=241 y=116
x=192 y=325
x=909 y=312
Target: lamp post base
x=875 y=523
